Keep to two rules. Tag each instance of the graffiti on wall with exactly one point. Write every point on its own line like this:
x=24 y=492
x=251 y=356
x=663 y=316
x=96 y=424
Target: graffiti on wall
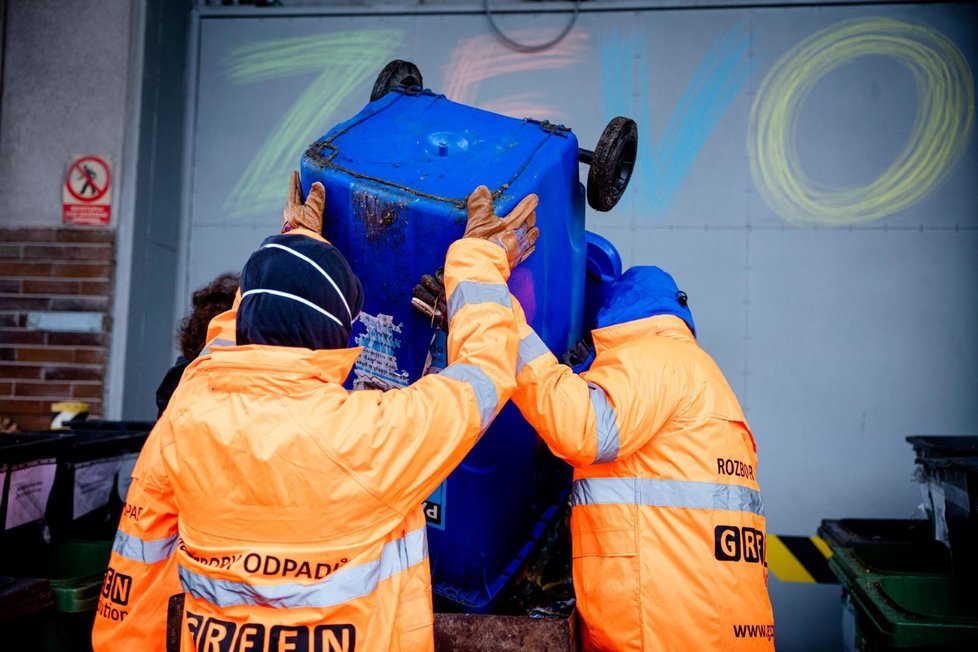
x=340 y=62
x=477 y=59
x=945 y=109
x=665 y=161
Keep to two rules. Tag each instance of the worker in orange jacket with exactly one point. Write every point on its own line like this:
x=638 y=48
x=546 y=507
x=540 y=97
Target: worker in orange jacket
x=290 y=508
x=667 y=521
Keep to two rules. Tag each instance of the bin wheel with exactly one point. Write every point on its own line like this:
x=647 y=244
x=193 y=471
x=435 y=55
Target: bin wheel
x=612 y=164
x=396 y=73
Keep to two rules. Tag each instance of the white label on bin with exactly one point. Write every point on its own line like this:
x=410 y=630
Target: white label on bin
x=940 y=518
x=93 y=485
x=124 y=476
x=30 y=488
x=954 y=494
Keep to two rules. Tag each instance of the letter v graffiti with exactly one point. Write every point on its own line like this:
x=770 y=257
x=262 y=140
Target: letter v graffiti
x=664 y=164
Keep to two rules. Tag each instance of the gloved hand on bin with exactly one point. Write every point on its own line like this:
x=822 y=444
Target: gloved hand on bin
x=429 y=298
x=516 y=233
x=303 y=215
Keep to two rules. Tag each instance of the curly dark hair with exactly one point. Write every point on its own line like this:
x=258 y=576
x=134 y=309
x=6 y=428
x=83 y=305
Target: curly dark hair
x=208 y=302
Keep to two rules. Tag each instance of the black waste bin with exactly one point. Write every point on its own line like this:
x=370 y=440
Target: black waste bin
x=32 y=463
x=948 y=472
x=90 y=493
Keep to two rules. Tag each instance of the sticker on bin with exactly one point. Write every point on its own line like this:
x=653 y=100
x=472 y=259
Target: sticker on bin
x=93 y=485
x=377 y=366
x=939 y=505
x=434 y=507
x=30 y=488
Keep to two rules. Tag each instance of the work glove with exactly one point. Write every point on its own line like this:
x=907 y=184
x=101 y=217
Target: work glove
x=516 y=232
x=429 y=298
x=307 y=215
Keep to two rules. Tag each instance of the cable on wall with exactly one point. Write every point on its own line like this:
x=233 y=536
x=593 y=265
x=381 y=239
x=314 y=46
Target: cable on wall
x=520 y=47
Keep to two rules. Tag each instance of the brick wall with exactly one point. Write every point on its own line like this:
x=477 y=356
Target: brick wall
x=55 y=298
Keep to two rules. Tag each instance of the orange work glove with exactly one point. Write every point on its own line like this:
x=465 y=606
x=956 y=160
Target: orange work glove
x=307 y=215
x=516 y=232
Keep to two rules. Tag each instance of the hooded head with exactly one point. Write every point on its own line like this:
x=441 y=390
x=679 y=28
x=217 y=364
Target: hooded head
x=298 y=291
x=643 y=292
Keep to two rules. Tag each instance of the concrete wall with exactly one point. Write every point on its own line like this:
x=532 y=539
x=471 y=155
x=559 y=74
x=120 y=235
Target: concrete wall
x=66 y=68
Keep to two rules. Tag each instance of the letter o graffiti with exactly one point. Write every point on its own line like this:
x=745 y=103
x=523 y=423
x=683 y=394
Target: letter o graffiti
x=944 y=119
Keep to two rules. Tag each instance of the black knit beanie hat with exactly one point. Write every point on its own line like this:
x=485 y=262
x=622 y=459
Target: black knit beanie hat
x=298 y=291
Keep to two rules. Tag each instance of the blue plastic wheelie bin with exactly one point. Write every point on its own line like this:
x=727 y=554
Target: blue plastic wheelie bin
x=397 y=176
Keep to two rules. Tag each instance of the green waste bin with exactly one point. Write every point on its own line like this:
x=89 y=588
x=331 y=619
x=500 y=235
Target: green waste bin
x=916 y=612
x=76 y=570
x=903 y=597
x=56 y=613
x=857 y=561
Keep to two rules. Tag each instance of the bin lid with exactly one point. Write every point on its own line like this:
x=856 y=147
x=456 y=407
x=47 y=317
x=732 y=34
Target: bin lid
x=853 y=531
x=944 y=445
x=433 y=148
x=77 y=594
x=102 y=443
x=929 y=558
x=29 y=446
x=22 y=596
x=99 y=424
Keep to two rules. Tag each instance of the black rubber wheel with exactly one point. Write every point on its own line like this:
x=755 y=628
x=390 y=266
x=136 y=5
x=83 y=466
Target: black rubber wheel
x=612 y=164
x=396 y=73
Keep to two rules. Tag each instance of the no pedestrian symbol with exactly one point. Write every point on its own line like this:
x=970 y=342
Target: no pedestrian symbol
x=86 y=195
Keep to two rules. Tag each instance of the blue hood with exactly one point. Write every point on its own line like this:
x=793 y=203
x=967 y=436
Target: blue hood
x=643 y=292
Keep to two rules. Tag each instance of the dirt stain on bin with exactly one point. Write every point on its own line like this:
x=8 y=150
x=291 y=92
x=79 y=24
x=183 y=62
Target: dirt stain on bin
x=377 y=212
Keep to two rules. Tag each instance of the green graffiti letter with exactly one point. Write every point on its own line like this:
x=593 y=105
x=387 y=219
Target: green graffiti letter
x=345 y=61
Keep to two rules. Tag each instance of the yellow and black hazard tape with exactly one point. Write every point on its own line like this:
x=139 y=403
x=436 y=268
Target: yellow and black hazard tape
x=800 y=559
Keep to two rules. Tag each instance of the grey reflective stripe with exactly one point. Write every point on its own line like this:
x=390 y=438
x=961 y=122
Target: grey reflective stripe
x=606 y=425
x=147 y=552
x=217 y=341
x=346 y=584
x=666 y=493
x=531 y=348
x=485 y=391
x=469 y=292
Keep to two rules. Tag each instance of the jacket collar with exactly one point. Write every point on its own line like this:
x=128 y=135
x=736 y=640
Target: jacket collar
x=329 y=365
x=662 y=325
x=308 y=233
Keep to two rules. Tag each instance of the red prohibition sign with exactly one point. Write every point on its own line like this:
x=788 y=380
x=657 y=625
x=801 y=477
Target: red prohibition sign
x=90 y=178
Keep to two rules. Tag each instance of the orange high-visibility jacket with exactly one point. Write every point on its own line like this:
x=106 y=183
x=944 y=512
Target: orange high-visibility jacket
x=295 y=515
x=667 y=522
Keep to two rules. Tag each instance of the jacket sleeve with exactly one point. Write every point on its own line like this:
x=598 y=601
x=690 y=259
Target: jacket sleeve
x=142 y=573
x=604 y=414
x=417 y=435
